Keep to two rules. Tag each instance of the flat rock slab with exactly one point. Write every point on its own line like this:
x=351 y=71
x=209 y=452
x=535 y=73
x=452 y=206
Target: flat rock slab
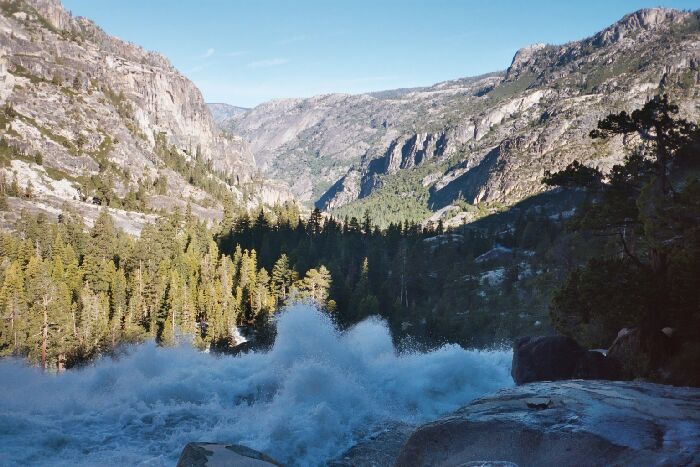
x=223 y=455
x=378 y=449
x=568 y=423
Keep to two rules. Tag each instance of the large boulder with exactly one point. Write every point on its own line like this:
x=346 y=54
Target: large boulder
x=639 y=354
x=544 y=358
x=592 y=423
x=223 y=455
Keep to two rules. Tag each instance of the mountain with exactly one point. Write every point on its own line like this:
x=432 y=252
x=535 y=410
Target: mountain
x=463 y=148
x=90 y=119
x=311 y=143
x=224 y=112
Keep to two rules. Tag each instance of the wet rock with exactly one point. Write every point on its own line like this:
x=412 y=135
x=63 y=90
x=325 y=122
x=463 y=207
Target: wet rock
x=544 y=358
x=592 y=423
x=223 y=455
x=378 y=449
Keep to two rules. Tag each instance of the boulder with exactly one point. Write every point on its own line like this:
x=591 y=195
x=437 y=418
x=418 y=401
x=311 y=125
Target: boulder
x=596 y=365
x=544 y=358
x=638 y=354
x=223 y=455
x=592 y=423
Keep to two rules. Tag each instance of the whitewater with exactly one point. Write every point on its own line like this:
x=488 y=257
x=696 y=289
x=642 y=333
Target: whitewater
x=305 y=401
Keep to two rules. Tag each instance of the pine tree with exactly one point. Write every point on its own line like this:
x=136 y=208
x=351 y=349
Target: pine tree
x=364 y=303
x=117 y=305
x=14 y=186
x=3 y=192
x=29 y=190
x=283 y=277
x=13 y=306
x=316 y=284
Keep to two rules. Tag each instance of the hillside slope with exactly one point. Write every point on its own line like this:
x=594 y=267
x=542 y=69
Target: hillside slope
x=311 y=143
x=466 y=147
x=91 y=119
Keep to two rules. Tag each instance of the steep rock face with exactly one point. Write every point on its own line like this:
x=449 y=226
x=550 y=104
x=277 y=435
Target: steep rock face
x=490 y=139
x=539 y=116
x=591 y=423
x=93 y=105
x=311 y=143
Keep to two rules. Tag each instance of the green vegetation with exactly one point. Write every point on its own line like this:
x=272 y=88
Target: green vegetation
x=80 y=294
x=19 y=70
x=510 y=89
x=596 y=74
x=56 y=138
x=656 y=267
x=195 y=169
x=67 y=295
x=402 y=197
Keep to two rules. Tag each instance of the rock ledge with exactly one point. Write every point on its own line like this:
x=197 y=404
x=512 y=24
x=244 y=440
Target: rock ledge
x=566 y=423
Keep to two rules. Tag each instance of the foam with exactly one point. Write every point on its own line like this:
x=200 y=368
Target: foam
x=305 y=401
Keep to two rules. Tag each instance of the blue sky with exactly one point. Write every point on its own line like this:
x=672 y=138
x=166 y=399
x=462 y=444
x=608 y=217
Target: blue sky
x=244 y=52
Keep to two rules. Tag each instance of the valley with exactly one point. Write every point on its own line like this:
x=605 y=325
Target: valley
x=348 y=278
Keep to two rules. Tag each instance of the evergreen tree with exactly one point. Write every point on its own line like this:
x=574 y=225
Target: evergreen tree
x=316 y=284
x=283 y=277
x=13 y=306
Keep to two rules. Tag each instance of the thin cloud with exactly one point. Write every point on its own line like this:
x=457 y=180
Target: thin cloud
x=210 y=51
x=237 y=53
x=291 y=40
x=270 y=62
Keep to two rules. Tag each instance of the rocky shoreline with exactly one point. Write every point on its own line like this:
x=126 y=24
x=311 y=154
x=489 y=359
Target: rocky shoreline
x=563 y=411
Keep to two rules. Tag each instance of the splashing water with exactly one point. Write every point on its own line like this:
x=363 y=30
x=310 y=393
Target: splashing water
x=303 y=402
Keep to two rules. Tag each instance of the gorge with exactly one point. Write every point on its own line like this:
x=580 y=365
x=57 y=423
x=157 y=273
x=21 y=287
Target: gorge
x=497 y=270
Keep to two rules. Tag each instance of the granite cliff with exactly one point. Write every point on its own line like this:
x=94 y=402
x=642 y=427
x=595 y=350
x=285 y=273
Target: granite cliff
x=86 y=116
x=481 y=142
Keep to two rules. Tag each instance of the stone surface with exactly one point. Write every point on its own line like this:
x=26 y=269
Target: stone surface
x=378 y=449
x=223 y=455
x=544 y=358
x=590 y=423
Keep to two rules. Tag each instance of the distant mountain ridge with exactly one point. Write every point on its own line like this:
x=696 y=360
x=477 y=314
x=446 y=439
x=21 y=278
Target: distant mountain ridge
x=482 y=141
x=222 y=112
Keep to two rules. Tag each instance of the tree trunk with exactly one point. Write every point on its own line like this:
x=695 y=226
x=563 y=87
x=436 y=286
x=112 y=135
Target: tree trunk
x=45 y=335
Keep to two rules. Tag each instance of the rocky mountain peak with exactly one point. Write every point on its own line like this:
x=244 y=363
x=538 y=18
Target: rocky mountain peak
x=650 y=18
x=645 y=20
x=523 y=56
x=482 y=140
x=630 y=31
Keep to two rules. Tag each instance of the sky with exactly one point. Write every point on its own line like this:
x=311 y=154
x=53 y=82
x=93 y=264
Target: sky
x=245 y=52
